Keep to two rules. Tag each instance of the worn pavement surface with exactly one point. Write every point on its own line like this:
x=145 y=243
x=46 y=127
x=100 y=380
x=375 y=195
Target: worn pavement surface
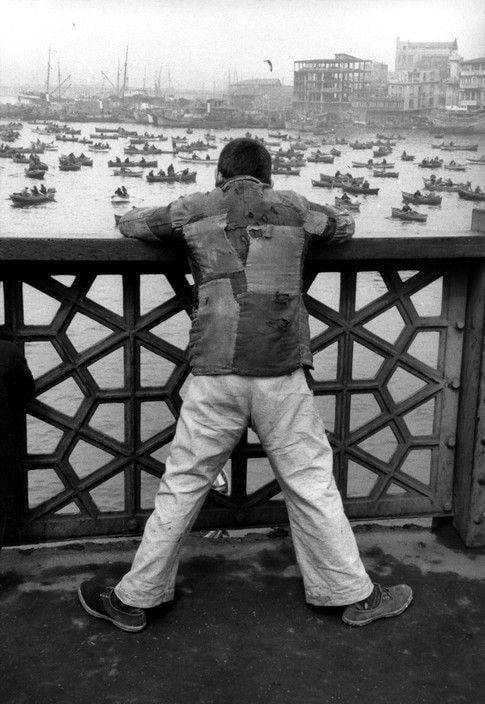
x=240 y=630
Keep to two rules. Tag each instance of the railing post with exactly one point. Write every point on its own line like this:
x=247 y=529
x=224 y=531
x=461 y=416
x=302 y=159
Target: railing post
x=469 y=489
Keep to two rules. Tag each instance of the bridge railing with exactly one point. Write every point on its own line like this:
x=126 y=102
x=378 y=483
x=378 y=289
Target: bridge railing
x=398 y=341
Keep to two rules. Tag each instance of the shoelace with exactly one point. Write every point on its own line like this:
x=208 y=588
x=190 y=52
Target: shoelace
x=384 y=593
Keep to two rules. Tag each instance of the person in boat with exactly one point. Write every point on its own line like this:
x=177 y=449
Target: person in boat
x=195 y=157
x=468 y=185
x=207 y=157
x=256 y=371
x=185 y=172
x=432 y=178
x=119 y=192
x=170 y=170
x=417 y=194
x=384 y=161
x=365 y=185
x=35 y=191
x=345 y=197
x=452 y=162
x=404 y=154
x=25 y=192
x=118 y=160
x=406 y=208
x=478 y=189
x=425 y=161
x=161 y=172
x=127 y=160
x=43 y=189
x=124 y=191
x=448 y=182
x=142 y=161
x=151 y=174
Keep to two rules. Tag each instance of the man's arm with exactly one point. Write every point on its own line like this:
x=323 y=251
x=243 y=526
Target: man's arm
x=328 y=223
x=150 y=224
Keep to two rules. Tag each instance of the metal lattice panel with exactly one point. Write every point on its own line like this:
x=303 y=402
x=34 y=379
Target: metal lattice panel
x=108 y=356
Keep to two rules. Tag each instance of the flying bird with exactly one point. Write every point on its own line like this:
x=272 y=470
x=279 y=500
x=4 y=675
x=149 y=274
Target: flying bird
x=74 y=25
x=270 y=64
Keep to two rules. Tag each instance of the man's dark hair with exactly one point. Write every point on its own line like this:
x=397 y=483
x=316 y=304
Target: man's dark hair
x=245 y=157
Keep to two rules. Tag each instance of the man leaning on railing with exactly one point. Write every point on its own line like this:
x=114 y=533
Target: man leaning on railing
x=249 y=349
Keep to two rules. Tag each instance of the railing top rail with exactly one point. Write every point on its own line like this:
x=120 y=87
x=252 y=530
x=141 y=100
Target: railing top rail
x=68 y=254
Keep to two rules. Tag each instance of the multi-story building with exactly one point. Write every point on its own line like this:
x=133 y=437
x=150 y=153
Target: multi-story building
x=426 y=75
x=260 y=94
x=424 y=56
x=320 y=84
x=418 y=89
x=472 y=83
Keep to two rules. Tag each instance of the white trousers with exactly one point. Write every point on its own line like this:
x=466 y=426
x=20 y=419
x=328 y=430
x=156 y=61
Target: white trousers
x=215 y=413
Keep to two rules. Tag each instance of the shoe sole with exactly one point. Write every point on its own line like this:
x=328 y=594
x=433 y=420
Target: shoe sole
x=105 y=617
x=376 y=618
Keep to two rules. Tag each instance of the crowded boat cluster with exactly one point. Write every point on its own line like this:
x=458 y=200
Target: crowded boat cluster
x=290 y=154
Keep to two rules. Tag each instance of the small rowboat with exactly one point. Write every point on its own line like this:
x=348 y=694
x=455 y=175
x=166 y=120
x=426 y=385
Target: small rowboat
x=386 y=174
x=435 y=164
x=143 y=152
x=21 y=159
x=459 y=147
x=480 y=160
x=358 y=189
x=31 y=199
x=382 y=165
x=382 y=151
x=120 y=199
x=442 y=188
x=103 y=135
x=35 y=173
x=69 y=166
x=128 y=172
x=408 y=215
x=189 y=160
x=321 y=158
x=64 y=138
x=286 y=171
x=362 y=165
x=407 y=157
x=85 y=141
x=347 y=204
x=322 y=184
x=99 y=149
x=422 y=199
x=455 y=167
x=174 y=178
x=470 y=195
x=142 y=164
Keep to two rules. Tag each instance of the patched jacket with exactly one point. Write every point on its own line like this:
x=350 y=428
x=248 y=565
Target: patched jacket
x=246 y=245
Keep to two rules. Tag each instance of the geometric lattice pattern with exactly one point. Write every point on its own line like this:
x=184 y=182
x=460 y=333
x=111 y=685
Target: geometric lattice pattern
x=108 y=354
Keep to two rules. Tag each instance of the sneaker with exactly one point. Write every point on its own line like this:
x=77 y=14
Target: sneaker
x=391 y=601
x=100 y=601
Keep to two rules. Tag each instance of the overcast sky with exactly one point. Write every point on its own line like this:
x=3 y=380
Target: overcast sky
x=200 y=41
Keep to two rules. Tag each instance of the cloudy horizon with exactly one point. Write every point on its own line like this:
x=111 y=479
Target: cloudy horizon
x=200 y=45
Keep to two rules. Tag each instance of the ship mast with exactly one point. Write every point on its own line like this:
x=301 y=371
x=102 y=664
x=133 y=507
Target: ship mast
x=124 y=76
x=59 y=81
x=48 y=72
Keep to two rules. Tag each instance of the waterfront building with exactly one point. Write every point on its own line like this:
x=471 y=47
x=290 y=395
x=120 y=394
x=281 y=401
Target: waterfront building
x=472 y=84
x=259 y=94
x=323 y=84
x=426 y=75
x=424 y=55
